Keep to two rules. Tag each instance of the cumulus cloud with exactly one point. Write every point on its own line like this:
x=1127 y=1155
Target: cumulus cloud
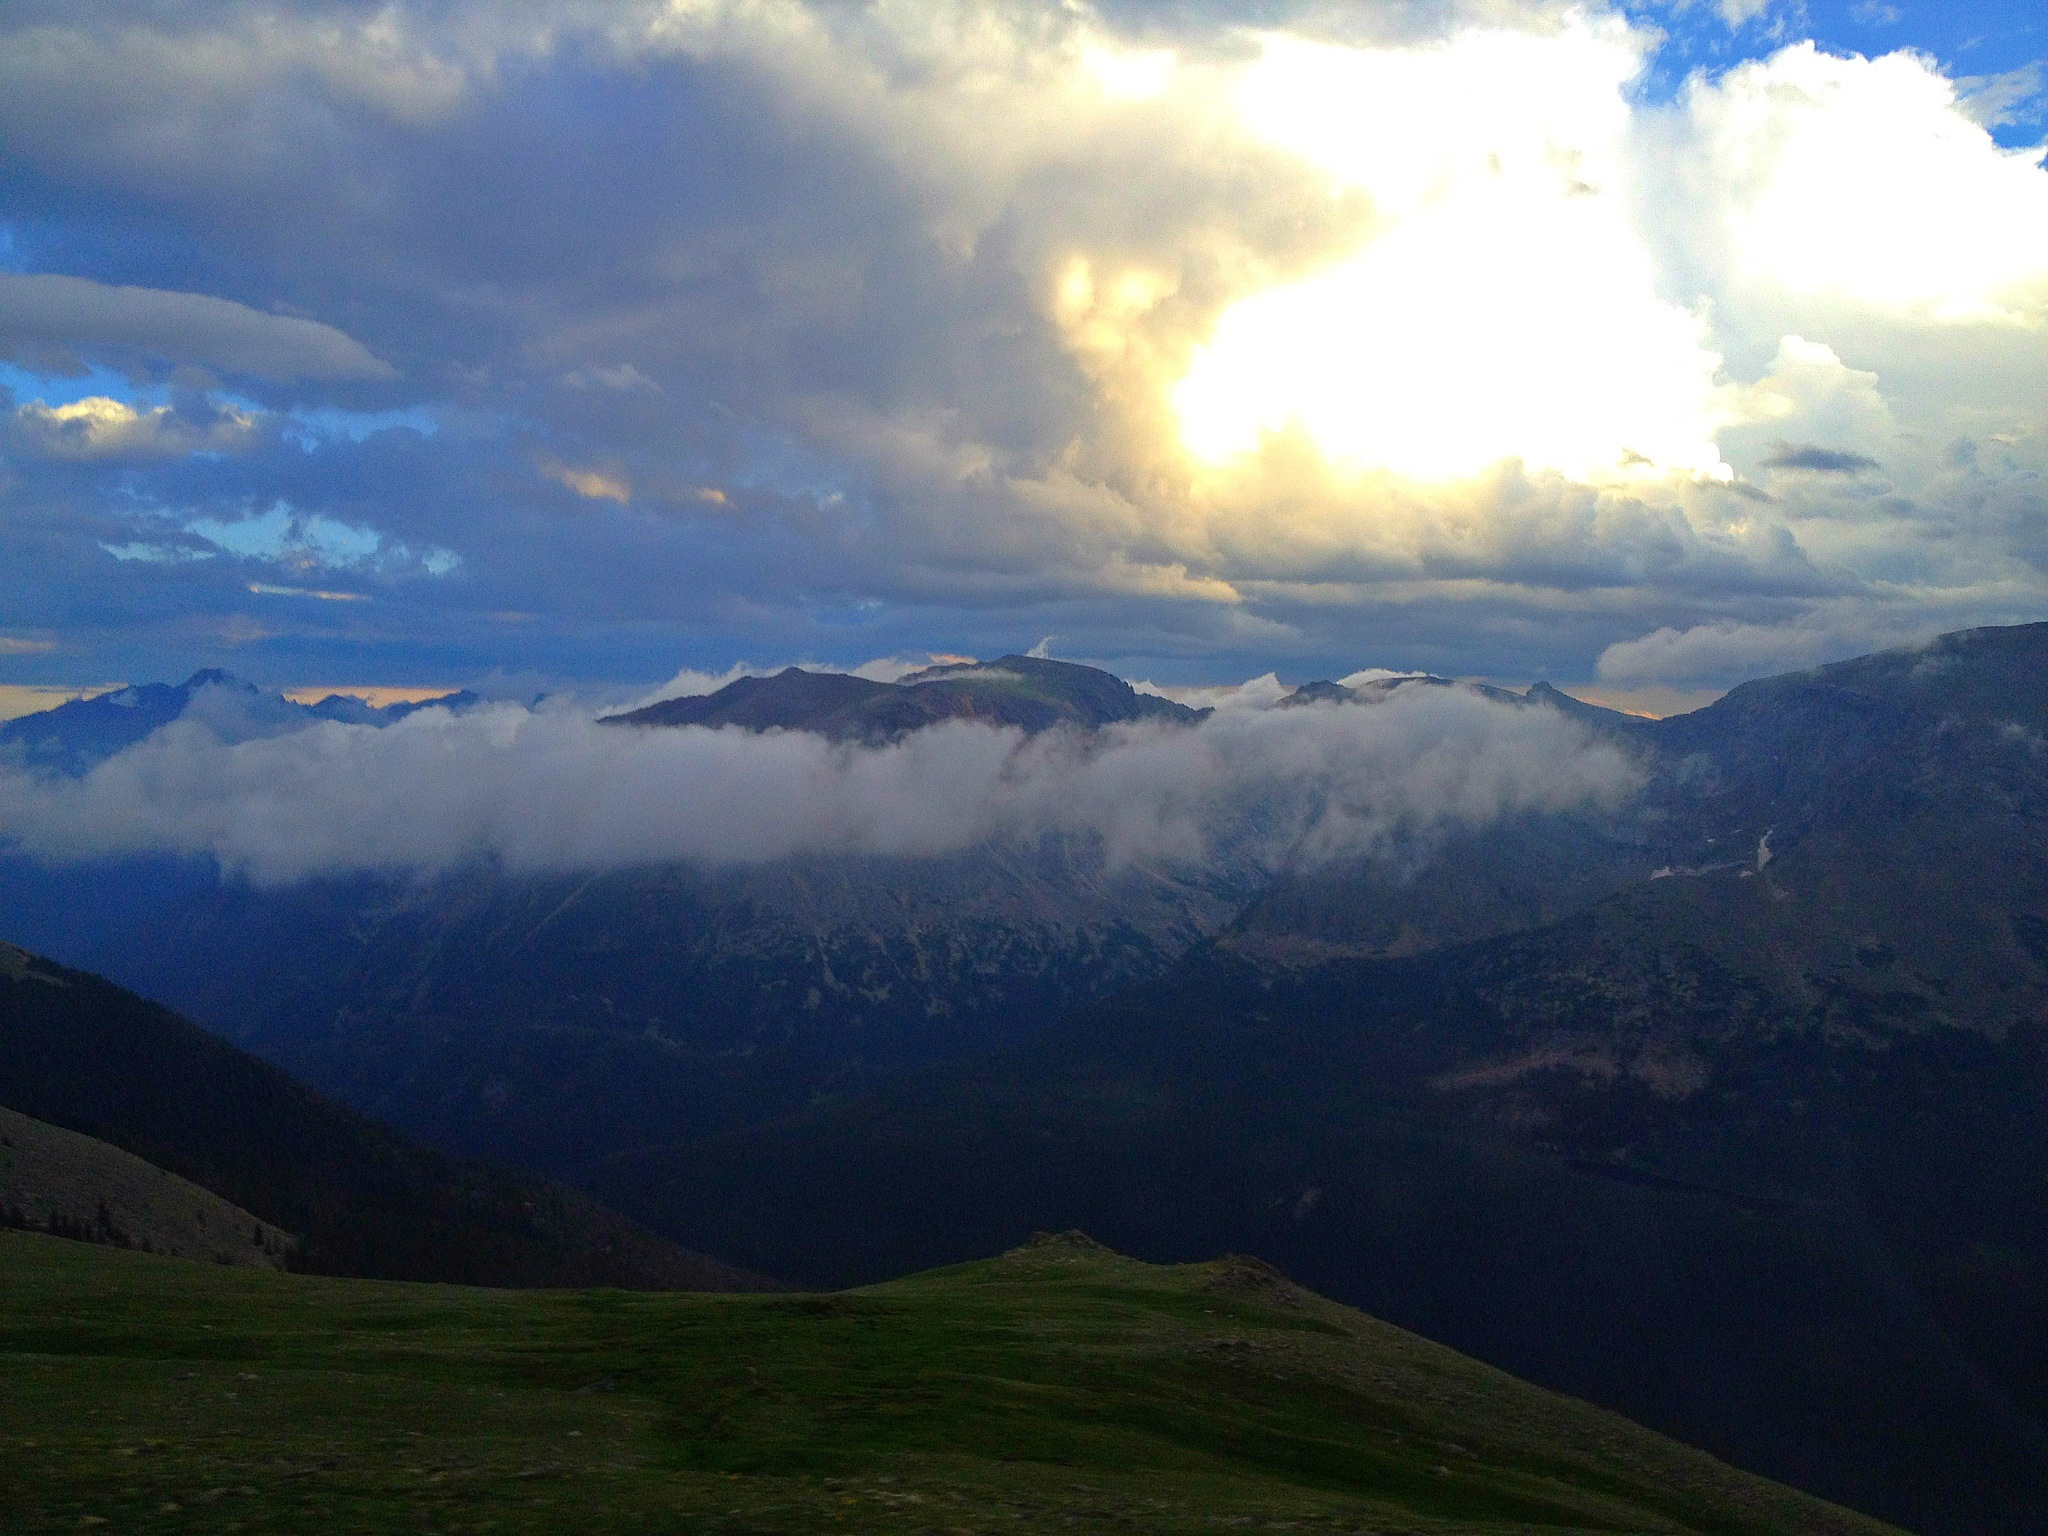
x=44 y=314
x=1867 y=181
x=550 y=789
x=100 y=427
x=1504 y=307
x=836 y=330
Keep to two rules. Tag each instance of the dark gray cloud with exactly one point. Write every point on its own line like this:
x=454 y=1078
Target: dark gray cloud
x=46 y=319
x=1823 y=461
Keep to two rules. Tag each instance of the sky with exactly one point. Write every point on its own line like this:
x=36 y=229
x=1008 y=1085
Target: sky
x=558 y=343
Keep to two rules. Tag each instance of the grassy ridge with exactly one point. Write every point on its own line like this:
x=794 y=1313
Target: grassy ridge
x=82 y=1054
x=1059 y=1388
x=57 y=1181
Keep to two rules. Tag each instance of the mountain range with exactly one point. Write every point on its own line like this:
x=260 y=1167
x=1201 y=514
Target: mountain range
x=555 y=1018
x=1724 y=1105
x=1731 y=1112
x=82 y=732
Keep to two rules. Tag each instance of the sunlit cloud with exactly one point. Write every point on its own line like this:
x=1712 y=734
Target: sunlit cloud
x=1504 y=307
x=1864 y=180
x=271 y=589
x=100 y=427
x=1223 y=330
x=590 y=484
x=1126 y=74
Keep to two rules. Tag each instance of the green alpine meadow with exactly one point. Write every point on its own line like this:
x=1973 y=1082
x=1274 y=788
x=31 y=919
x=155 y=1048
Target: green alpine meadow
x=1060 y=1387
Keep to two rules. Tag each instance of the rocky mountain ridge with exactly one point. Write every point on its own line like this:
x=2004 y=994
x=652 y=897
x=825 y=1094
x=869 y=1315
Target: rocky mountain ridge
x=1029 y=693
x=76 y=735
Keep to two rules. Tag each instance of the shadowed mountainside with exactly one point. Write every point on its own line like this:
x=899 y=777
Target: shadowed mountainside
x=86 y=1056
x=1751 y=1144
x=550 y=1020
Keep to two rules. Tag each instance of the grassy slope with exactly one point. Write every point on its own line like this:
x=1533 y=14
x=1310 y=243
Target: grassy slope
x=1060 y=1387
x=76 y=1051
x=52 y=1179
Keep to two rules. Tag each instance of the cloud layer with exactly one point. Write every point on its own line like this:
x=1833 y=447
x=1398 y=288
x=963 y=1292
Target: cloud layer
x=549 y=789
x=1297 y=335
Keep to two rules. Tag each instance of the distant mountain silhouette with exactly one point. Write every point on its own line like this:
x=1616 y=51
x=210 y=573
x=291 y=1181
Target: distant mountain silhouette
x=74 y=736
x=1028 y=692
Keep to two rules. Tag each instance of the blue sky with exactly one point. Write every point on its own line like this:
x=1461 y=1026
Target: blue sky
x=1971 y=38
x=568 y=342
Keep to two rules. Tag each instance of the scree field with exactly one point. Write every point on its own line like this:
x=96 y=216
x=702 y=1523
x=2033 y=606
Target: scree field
x=1058 y=1388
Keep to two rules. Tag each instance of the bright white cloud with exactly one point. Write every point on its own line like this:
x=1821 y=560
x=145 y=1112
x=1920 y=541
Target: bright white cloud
x=1129 y=74
x=1864 y=181
x=1504 y=306
x=945 y=293
x=1730 y=651
x=1716 y=652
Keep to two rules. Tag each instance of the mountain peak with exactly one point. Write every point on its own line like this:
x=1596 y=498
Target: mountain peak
x=1030 y=693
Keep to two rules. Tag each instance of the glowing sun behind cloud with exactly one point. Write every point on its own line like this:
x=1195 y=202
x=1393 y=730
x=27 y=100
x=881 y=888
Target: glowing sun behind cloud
x=1505 y=307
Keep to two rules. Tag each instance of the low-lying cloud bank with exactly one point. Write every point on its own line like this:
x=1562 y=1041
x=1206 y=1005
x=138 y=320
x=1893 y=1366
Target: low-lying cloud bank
x=548 y=789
